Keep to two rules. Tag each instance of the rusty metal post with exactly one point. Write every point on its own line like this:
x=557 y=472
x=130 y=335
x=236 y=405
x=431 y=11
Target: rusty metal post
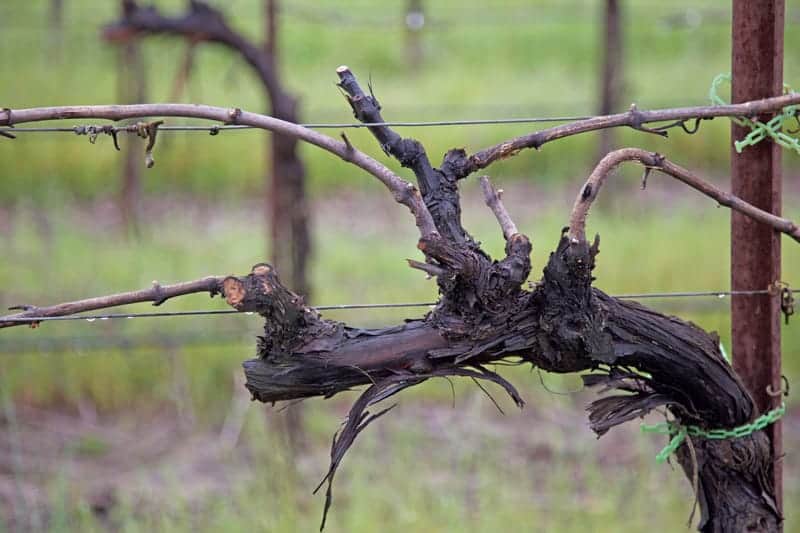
x=756 y=178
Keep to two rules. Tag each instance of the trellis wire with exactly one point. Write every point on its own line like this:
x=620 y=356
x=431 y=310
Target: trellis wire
x=92 y=318
x=213 y=129
x=345 y=307
x=522 y=14
x=130 y=341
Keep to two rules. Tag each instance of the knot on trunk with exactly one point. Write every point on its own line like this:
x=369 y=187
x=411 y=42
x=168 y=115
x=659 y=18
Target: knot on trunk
x=478 y=295
x=288 y=322
x=572 y=322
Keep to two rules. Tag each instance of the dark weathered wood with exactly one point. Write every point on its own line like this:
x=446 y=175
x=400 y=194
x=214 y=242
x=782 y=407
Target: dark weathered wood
x=564 y=325
x=756 y=178
x=438 y=187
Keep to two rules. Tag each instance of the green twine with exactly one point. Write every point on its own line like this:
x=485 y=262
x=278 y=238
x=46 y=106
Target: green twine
x=680 y=431
x=724 y=353
x=759 y=130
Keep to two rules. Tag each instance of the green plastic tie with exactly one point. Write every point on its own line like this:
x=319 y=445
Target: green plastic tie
x=759 y=130
x=680 y=431
x=724 y=353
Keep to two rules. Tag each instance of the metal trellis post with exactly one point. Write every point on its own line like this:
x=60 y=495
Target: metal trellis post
x=757 y=60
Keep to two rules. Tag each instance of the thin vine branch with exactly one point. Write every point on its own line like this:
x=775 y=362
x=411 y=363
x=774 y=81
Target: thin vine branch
x=633 y=118
x=403 y=191
x=492 y=197
x=654 y=161
x=200 y=22
x=157 y=294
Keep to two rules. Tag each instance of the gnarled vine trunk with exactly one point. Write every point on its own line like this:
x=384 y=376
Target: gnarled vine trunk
x=562 y=324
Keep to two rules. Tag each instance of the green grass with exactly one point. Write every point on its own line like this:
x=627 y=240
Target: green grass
x=541 y=61
x=60 y=240
x=399 y=504
x=657 y=240
x=462 y=478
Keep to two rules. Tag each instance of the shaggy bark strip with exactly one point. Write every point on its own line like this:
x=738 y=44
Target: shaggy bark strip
x=644 y=359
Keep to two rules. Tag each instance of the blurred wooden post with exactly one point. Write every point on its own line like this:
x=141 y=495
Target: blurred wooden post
x=611 y=76
x=132 y=90
x=56 y=30
x=756 y=178
x=286 y=203
x=415 y=21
